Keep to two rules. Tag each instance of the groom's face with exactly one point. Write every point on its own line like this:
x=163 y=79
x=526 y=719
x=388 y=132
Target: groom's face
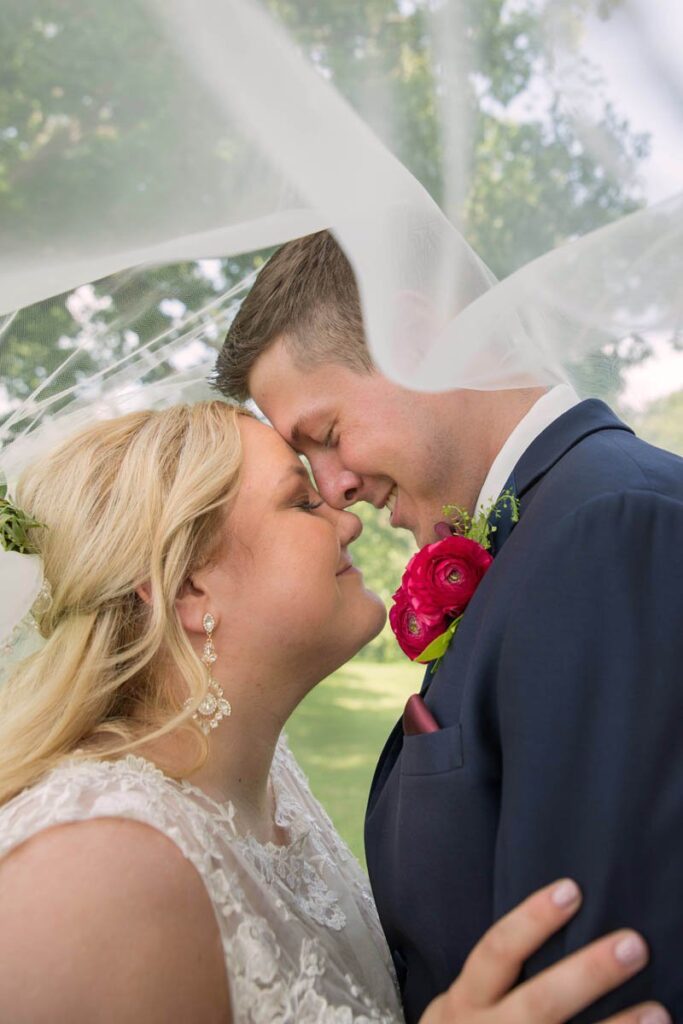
x=366 y=438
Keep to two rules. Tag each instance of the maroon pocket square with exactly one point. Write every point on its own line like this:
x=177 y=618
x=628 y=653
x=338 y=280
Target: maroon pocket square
x=417 y=718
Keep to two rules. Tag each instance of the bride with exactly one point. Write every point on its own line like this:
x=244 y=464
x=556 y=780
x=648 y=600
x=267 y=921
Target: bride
x=163 y=858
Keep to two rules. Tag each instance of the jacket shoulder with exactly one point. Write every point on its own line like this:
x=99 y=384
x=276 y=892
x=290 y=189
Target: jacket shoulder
x=607 y=464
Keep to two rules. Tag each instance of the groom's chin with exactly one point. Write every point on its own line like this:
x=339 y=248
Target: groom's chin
x=408 y=529
x=422 y=536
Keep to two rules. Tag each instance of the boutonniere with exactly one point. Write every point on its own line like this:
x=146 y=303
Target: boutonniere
x=440 y=580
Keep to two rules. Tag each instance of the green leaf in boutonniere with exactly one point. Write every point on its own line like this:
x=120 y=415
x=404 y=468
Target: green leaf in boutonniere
x=480 y=526
x=437 y=648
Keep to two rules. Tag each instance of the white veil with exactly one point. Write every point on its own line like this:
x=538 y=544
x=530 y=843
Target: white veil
x=155 y=150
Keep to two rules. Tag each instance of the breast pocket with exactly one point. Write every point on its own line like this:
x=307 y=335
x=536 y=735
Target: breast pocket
x=432 y=752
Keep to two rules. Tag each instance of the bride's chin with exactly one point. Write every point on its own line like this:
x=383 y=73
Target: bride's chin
x=377 y=623
x=373 y=620
x=361 y=623
x=369 y=624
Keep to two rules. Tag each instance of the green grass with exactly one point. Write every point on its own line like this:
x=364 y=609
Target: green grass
x=338 y=733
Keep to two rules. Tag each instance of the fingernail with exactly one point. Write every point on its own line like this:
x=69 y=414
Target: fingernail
x=631 y=950
x=566 y=893
x=655 y=1015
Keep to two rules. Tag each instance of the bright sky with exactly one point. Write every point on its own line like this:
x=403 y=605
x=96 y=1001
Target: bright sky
x=639 y=50
x=654 y=378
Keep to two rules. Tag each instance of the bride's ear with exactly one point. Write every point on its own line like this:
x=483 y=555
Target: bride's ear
x=192 y=603
x=144 y=592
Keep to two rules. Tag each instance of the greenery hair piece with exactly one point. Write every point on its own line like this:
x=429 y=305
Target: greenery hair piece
x=14 y=525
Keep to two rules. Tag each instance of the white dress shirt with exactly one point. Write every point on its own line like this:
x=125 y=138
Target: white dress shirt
x=553 y=404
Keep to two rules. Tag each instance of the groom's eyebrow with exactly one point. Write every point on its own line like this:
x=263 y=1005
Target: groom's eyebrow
x=303 y=425
x=297 y=430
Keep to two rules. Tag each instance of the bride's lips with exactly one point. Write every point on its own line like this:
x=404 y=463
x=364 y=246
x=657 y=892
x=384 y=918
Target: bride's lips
x=347 y=567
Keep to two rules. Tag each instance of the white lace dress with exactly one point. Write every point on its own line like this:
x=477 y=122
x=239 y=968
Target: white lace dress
x=299 y=928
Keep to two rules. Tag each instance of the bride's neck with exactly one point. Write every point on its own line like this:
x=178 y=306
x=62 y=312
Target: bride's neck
x=241 y=750
x=239 y=762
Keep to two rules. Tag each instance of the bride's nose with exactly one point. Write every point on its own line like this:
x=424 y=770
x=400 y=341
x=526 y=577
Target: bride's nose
x=349 y=528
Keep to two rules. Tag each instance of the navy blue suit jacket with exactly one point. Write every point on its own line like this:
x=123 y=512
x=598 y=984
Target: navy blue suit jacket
x=560 y=751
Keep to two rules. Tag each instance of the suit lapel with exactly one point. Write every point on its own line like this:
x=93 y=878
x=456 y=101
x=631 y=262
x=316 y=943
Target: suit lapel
x=548 y=448
x=560 y=437
x=387 y=759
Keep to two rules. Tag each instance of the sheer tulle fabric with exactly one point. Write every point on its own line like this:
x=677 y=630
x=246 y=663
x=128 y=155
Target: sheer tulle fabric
x=252 y=145
x=151 y=133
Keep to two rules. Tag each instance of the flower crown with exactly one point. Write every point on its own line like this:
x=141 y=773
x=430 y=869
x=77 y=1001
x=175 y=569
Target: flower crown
x=21 y=576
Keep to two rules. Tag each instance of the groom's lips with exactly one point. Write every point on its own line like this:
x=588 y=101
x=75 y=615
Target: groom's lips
x=385 y=499
x=385 y=503
x=394 y=520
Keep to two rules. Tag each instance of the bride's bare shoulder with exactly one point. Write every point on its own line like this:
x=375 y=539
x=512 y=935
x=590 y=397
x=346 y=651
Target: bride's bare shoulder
x=107 y=919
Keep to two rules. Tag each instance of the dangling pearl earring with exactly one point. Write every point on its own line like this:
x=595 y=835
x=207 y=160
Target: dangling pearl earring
x=214 y=706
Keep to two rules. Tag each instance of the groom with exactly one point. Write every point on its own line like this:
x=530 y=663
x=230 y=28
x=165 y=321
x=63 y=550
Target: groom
x=560 y=701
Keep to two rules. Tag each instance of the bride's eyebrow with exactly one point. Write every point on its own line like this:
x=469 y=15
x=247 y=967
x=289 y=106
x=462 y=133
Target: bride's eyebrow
x=299 y=470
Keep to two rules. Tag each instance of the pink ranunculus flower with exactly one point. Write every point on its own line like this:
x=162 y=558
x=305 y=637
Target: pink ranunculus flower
x=442 y=577
x=413 y=630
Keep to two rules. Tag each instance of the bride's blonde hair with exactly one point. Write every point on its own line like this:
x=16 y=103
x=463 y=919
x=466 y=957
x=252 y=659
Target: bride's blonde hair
x=140 y=499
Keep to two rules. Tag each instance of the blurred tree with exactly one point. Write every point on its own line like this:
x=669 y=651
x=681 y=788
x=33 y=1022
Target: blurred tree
x=62 y=98
x=382 y=554
x=662 y=423
x=527 y=183
x=530 y=183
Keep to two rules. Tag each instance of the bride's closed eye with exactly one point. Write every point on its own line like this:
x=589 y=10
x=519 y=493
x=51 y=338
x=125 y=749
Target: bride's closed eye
x=309 y=506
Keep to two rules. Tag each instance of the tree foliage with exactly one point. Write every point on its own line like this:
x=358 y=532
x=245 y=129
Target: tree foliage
x=528 y=183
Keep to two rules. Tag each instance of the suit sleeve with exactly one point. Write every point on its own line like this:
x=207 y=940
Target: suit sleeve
x=590 y=714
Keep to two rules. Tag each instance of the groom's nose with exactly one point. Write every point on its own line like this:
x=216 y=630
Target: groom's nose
x=338 y=486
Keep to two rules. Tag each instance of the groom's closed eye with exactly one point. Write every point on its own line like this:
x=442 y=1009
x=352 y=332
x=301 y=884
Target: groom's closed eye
x=329 y=441
x=311 y=430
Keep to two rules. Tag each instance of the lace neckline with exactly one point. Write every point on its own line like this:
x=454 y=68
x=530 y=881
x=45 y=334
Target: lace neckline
x=285 y=815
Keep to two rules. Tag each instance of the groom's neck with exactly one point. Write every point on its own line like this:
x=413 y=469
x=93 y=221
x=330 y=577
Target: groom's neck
x=482 y=422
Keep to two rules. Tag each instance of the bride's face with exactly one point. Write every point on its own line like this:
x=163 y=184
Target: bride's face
x=283 y=590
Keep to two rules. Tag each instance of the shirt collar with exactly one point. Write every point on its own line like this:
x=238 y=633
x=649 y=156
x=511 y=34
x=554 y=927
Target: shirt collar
x=545 y=411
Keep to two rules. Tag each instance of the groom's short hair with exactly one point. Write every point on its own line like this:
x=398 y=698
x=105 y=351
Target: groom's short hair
x=307 y=295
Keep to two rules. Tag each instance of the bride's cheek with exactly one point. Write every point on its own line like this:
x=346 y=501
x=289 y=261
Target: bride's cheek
x=299 y=588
